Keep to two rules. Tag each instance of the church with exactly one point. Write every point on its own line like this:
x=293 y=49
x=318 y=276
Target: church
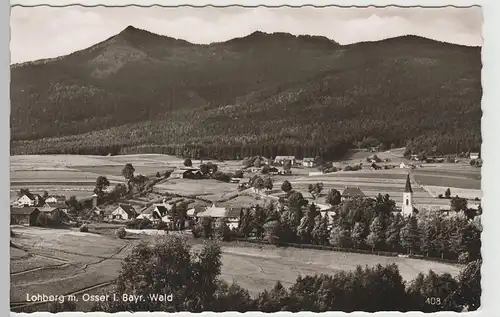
x=407 y=209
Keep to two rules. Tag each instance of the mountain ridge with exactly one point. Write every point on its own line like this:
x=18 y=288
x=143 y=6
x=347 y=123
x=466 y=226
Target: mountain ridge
x=136 y=77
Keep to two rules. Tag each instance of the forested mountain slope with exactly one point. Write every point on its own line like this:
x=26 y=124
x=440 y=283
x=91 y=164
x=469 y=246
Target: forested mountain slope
x=263 y=93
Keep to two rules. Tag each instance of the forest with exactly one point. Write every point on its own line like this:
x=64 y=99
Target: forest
x=267 y=94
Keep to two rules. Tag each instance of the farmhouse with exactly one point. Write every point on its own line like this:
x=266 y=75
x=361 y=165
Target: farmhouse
x=235 y=180
x=375 y=167
x=53 y=199
x=30 y=200
x=403 y=165
x=308 y=162
x=281 y=159
x=352 y=192
x=26 y=216
x=186 y=172
x=123 y=212
x=232 y=215
x=273 y=170
x=474 y=156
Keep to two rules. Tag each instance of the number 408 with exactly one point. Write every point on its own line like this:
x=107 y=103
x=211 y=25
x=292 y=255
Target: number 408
x=433 y=301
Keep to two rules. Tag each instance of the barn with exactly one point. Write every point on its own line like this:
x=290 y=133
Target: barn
x=25 y=216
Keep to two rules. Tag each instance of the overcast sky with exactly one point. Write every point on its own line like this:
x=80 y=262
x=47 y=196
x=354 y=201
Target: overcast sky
x=43 y=32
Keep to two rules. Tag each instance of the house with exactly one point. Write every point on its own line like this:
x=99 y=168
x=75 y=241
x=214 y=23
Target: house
x=49 y=211
x=55 y=199
x=284 y=172
x=414 y=157
x=352 y=192
x=60 y=205
x=186 y=172
x=25 y=216
x=281 y=159
x=273 y=171
x=403 y=165
x=231 y=215
x=308 y=162
x=375 y=167
x=123 y=212
x=235 y=180
x=474 y=156
x=30 y=200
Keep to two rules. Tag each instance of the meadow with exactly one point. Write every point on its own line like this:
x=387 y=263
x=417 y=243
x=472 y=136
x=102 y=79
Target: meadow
x=76 y=174
x=69 y=262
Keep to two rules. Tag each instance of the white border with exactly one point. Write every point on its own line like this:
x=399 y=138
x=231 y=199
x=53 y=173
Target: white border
x=490 y=131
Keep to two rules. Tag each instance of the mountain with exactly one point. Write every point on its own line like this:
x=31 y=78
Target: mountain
x=264 y=93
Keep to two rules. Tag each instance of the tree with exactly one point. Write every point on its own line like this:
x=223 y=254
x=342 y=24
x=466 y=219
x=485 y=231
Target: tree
x=320 y=231
x=238 y=174
x=468 y=294
x=376 y=237
x=334 y=197
x=257 y=162
x=318 y=187
x=392 y=235
x=287 y=165
x=447 y=193
x=121 y=233
x=168 y=267
x=268 y=183
x=101 y=185
x=340 y=236
x=358 y=235
x=222 y=231
x=428 y=293
x=265 y=169
x=128 y=172
x=458 y=204
x=286 y=186
x=23 y=191
x=188 y=162
x=409 y=235
x=318 y=161
x=258 y=184
x=45 y=194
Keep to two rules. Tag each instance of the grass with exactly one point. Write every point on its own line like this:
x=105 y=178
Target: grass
x=212 y=190
x=252 y=267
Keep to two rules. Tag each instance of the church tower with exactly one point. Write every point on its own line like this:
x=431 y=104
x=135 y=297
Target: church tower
x=407 y=209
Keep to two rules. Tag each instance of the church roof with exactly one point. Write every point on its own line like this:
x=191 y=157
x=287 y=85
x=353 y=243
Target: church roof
x=408 y=185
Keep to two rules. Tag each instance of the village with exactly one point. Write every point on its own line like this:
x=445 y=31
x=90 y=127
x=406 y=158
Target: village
x=159 y=203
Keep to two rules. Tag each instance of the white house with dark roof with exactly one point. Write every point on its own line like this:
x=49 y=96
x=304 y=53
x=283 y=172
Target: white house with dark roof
x=308 y=162
x=232 y=215
x=123 y=212
x=30 y=200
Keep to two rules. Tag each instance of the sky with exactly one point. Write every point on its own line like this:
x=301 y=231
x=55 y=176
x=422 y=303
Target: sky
x=45 y=32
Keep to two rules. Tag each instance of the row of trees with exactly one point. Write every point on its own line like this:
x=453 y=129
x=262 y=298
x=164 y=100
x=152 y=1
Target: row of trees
x=193 y=278
x=361 y=223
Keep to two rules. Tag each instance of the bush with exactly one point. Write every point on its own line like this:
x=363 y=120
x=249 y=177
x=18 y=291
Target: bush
x=162 y=225
x=84 y=228
x=440 y=196
x=12 y=234
x=463 y=258
x=121 y=233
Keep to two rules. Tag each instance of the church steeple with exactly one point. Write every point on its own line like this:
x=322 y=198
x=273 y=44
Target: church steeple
x=408 y=185
x=407 y=207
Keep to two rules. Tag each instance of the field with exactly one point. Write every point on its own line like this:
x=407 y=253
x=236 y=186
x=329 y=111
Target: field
x=76 y=175
x=63 y=262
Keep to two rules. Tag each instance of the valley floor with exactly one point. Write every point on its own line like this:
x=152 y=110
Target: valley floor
x=64 y=262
